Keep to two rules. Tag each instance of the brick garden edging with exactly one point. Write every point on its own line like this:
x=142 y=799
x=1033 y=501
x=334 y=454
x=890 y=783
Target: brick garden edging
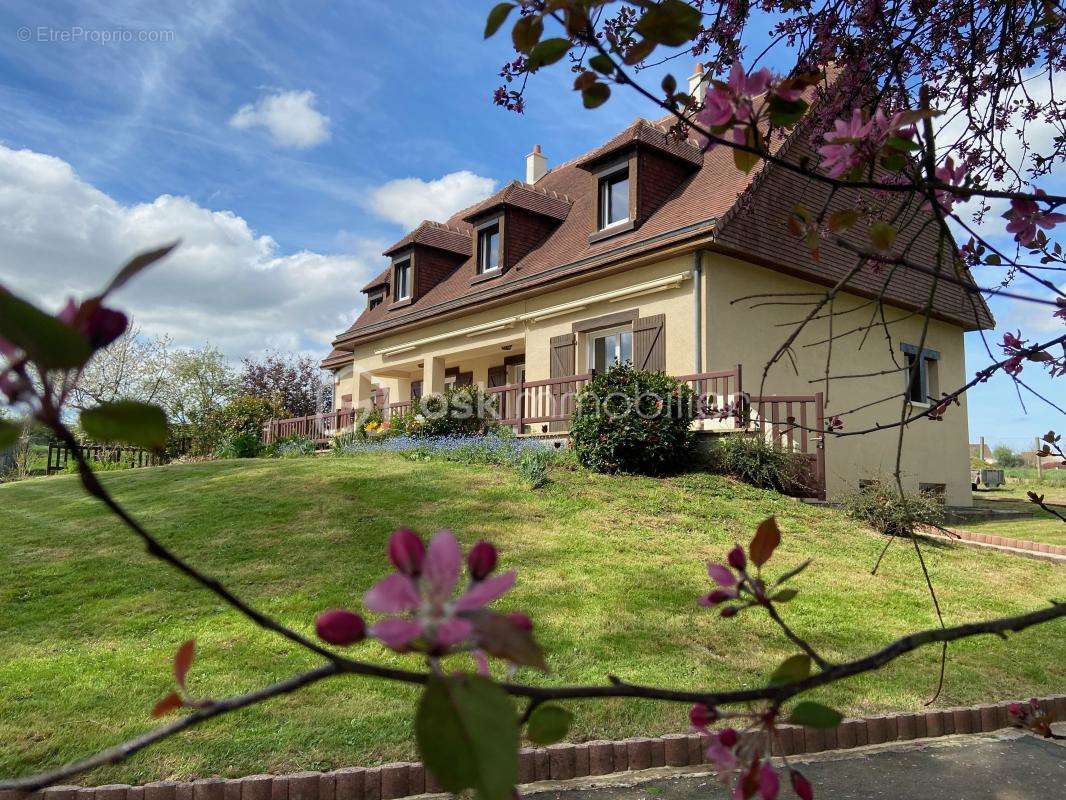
x=556 y=762
x=1003 y=541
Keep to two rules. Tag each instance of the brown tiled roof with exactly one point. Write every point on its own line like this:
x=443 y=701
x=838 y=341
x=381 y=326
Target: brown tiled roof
x=704 y=204
x=381 y=279
x=453 y=237
x=336 y=358
x=523 y=195
x=650 y=134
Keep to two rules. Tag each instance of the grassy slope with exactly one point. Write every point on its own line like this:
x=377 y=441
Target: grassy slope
x=1040 y=526
x=610 y=568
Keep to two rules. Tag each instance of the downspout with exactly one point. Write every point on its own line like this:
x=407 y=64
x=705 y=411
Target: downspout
x=697 y=307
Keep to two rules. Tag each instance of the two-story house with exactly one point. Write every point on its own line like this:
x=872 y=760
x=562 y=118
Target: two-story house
x=649 y=250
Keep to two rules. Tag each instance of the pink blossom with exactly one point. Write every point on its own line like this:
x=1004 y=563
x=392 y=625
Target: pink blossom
x=425 y=606
x=748 y=85
x=840 y=153
x=800 y=785
x=481 y=560
x=722 y=757
x=769 y=783
x=340 y=626
x=733 y=102
x=406 y=552
x=1025 y=216
x=701 y=715
x=953 y=176
x=721 y=574
x=97 y=323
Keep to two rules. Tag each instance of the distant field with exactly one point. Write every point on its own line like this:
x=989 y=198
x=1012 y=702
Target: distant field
x=609 y=568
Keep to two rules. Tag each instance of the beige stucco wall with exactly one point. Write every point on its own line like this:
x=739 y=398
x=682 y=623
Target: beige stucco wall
x=933 y=452
x=733 y=332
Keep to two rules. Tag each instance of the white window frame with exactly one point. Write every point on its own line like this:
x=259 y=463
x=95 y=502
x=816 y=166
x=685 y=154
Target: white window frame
x=482 y=232
x=605 y=181
x=407 y=266
x=590 y=345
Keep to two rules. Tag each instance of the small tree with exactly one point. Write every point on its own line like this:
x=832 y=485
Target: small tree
x=133 y=367
x=629 y=420
x=1006 y=457
x=296 y=379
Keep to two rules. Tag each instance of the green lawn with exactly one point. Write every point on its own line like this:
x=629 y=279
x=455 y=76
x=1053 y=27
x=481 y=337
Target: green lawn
x=1039 y=526
x=609 y=567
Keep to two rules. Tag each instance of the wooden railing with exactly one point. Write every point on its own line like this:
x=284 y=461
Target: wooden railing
x=547 y=403
x=794 y=423
x=318 y=427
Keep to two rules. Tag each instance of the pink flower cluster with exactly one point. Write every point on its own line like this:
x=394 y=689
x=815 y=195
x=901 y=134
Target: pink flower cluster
x=740 y=763
x=947 y=173
x=423 y=610
x=732 y=104
x=1025 y=217
x=855 y=141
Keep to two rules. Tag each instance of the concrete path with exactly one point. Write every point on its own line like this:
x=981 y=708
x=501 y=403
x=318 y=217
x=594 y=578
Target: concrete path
x=1006 y=765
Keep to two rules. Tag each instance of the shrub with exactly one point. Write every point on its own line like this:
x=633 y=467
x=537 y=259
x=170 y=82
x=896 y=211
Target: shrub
x=244 y=416
x=240 y=445
x=629 y=420
x=754 y=460
x=533 y=467
x=460 y=411
x=97 y=465
x=291 y=447
x=880 y=506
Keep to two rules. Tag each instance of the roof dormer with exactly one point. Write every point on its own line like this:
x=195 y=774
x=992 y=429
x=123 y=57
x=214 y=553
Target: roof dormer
x=635 y=173
x=423 y=258
x=510 y=224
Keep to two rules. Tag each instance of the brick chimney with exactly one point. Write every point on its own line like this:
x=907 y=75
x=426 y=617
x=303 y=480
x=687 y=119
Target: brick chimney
x=697 y=88
x=536 y=165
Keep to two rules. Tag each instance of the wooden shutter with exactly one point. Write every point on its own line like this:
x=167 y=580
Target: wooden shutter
x=416 y=389
x=563 y=363
x=464 y=379
x=497 y=375
x=649 y=343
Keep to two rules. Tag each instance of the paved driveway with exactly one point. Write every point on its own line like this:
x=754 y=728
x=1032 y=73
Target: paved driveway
x=1007 y=765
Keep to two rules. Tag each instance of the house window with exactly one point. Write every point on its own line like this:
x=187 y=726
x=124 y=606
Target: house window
x=488 y=248
x=402 y=282
x=923 y=374
x=376 y=299
x=614 y=198
x=608 y=348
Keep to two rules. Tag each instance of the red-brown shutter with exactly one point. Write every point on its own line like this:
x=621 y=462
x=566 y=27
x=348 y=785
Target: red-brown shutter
x=562 y=364
x=464 y=379
x=649 y=343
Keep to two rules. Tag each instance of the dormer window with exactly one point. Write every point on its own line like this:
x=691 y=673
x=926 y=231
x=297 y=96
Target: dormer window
x=614 y=198
x=402 y=279
x=375 y=298
x=488 y=248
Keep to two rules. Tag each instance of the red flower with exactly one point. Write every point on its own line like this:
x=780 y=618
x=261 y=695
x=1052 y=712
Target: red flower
x=340 y=626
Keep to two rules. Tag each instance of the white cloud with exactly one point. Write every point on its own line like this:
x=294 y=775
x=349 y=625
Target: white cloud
x=290 y=117
x=408 y=201
x=60 y=236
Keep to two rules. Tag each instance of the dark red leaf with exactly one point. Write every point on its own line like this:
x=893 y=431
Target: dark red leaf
x=183 y=660
x=172 y=702
x=765 y=541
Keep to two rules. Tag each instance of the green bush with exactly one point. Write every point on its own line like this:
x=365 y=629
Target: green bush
x=459 y=411
x=243 y=416
x=754 y=460
x=629 y=420
x=880 y=506
x=97 y=465
x=291 y=447
x=240 y=445
x=533 y=467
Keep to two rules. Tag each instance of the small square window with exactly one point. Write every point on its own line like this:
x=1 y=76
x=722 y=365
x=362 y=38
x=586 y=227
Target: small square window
x=488 y=248
x=607 y=348
x=375 y=299
x=923 y=374
x=614 y=198
x=402 y=282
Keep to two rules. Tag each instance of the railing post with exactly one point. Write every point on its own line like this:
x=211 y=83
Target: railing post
x=520 y=412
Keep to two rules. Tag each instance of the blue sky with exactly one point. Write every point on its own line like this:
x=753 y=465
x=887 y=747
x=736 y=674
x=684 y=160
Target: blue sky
x=288 y=143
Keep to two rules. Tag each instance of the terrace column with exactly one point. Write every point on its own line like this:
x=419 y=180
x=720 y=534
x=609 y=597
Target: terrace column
x=433 y=376
x=360 y=389
x=403 y=390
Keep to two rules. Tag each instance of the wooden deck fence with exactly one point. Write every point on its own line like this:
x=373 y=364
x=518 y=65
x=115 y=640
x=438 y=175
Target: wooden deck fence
x=59 y=454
